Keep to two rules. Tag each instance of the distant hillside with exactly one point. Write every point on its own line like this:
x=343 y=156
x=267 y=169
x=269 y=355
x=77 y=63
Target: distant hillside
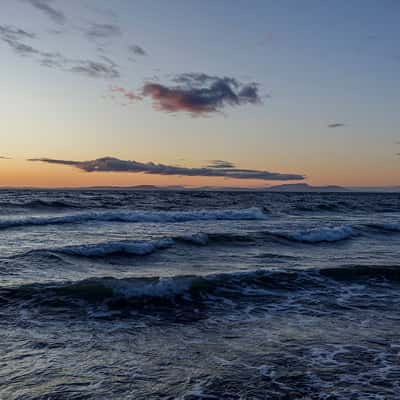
x=305 y=187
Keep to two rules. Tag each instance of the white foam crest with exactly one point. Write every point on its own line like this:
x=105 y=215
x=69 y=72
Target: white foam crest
x=197 y=238
x=253 y=213
x=103 y=249
x=325 y=234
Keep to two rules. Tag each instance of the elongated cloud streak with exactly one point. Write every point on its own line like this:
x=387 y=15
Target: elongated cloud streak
x=103 y=31
x=336 y=125
x=46 y=7
x=111 y=164
x=220 y=164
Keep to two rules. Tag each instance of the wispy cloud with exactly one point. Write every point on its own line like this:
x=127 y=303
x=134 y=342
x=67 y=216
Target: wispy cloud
x=128 y=94
x=336 y=125
x=12 y=32
x=94 y=69
x=103 y=31
x=4 y=158
x=200 y=94
x=220 y=164
x=15 y=38
x=47 y=8
x=111 y=164
x=137 y=50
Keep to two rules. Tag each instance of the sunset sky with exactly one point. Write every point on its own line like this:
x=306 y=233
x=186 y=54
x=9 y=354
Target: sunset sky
x=182 y=92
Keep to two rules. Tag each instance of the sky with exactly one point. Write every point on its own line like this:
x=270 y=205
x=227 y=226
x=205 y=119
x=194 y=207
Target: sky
x=184 y=92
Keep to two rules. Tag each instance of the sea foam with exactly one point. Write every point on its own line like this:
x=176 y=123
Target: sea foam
x=325 y=234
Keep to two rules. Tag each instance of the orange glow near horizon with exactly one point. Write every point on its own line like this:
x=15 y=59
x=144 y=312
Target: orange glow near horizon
x=16 y=173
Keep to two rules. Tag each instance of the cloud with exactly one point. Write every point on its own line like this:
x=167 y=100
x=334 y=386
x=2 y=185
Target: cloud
x=13 y=37
x=12 y=32
x=45 y=6
x=336 y=125
x=94 y=69
x=103 y=31
x=137 y=50
x=128 y=94
x=4 y=158
x=200 y=94
x=220 y=164
x=111 y=164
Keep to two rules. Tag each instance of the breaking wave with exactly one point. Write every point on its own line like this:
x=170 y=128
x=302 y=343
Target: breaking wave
x=136 y=247
x=320 y=235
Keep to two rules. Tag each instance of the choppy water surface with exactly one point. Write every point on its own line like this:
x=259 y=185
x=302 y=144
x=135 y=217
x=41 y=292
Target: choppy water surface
x=199 y=295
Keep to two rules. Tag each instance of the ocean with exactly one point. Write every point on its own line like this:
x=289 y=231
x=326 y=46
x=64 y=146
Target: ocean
x=122 y=294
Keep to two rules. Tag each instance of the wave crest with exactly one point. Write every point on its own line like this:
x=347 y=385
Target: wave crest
x=320 y=235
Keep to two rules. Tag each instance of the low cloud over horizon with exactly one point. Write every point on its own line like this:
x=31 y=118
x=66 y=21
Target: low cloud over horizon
x=220 y=164
x=112 y=164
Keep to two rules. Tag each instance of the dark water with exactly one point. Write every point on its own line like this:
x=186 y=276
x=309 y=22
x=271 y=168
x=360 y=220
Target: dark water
x=199 y=295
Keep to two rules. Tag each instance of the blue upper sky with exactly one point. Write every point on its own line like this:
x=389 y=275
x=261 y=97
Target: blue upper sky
x=282 y=90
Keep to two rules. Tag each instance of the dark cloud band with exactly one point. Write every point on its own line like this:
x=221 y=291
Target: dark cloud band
x=111 y=164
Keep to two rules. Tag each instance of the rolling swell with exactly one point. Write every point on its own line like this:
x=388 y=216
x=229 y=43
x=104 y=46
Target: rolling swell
x=147 y=247
x=137 y=247
x=39 y=204
x=164 y=291
x=138 y=216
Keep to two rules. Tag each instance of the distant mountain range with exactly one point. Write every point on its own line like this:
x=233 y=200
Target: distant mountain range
x=290 y=187
x=305 y=187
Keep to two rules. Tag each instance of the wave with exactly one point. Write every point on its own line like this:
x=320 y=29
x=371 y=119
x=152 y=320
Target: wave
x=147 y=247
x=40 y=204
x=318 y=207
x=320 y=235
x=391 y=227
x=138 y=216
x=136 y=247
x=164 y=291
